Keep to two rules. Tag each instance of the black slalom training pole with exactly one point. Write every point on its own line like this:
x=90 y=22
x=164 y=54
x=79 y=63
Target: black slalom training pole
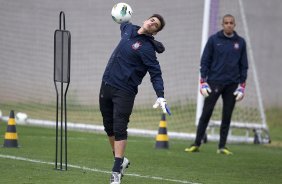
x=62 y=53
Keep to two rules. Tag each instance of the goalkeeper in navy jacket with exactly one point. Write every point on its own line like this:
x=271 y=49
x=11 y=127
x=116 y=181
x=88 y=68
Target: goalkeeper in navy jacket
x=224 y=66
x=134 y=56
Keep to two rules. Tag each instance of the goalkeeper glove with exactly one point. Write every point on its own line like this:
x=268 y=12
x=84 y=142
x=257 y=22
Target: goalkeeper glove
x=239 y=92
x=161 y=102
x=204 y=88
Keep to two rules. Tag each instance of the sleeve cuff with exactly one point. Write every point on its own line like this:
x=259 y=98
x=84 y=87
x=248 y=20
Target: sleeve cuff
x=160 y=94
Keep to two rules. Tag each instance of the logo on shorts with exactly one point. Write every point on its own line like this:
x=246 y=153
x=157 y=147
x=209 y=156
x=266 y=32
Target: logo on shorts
x=136 y=45
x=236 y=45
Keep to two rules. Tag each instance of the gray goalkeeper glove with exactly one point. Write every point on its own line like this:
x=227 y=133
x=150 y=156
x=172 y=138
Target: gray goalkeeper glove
x=240 y=91
x=205 y=88
x=161 y=102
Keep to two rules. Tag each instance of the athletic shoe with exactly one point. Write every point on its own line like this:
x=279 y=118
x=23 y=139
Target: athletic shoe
x=125 y=164
x=115 y=178
x=192 y=148
x=224 y=151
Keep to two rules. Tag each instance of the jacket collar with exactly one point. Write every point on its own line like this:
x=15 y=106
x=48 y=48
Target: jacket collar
x=158 y=46
x=221 y=35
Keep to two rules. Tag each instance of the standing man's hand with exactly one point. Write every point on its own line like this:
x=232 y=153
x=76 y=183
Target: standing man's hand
x=239 y=92
x=161 y=102
x=204 y=88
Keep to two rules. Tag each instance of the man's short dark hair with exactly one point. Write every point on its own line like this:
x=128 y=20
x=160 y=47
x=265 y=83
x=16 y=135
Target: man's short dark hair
x=228 y=15
x=161 y=19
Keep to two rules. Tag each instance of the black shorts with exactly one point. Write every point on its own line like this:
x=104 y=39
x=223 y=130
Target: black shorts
x=116 y=107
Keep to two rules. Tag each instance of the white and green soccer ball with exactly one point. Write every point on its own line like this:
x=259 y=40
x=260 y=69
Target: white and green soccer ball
x=21 y=117
x=121 y=12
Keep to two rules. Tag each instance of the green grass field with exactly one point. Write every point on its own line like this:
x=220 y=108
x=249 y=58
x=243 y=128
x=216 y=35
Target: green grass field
x=90 y=160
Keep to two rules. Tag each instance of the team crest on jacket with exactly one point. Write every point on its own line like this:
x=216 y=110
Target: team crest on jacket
x=136 y=45
x=236 y=45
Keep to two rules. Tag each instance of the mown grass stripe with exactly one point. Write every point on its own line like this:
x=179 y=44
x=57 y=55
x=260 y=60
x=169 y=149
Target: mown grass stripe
x=95 y=169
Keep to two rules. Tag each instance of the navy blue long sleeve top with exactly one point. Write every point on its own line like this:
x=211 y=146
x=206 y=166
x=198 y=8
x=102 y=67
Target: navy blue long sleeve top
x=224 y=60
x=134 y=56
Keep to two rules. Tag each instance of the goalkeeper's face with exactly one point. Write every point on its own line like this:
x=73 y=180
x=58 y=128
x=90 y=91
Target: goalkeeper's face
x=151 y=26
x=228 y=25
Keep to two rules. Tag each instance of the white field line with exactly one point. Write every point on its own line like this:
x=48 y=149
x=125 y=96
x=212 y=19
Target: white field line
x=95 y=169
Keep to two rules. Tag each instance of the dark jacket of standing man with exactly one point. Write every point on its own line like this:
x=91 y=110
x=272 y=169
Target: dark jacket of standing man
x=224 y=59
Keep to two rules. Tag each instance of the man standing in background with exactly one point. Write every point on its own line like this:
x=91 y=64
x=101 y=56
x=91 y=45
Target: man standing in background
x=224 y=66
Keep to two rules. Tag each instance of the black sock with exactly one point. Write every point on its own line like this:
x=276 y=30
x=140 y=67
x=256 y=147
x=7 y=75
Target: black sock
x=117 y=164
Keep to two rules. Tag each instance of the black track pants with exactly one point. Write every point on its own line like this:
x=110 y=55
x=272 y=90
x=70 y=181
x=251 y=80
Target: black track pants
x=226 y=92
x=116 y=107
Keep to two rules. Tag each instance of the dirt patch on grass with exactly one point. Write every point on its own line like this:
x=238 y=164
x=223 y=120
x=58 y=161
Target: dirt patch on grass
x=275 y=144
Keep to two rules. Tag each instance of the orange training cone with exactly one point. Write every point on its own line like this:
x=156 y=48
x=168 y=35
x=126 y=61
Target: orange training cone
x=162 y=138
x=11 y=136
